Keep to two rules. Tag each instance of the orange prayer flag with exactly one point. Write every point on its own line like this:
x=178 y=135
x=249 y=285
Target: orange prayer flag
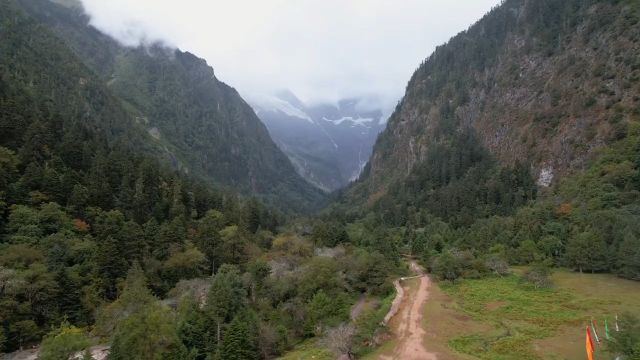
x=589 y=345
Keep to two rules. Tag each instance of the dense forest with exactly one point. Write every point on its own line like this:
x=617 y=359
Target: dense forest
x=95 y=233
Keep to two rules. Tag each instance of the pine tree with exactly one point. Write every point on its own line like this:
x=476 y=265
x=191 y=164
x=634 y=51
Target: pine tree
x=110 y=259
x=208 y=238
x=241 y=338
x=629 y=257
x=252 y=215
x=110 y=267
x=195 y=330
x=67 y=296
x=226 y=297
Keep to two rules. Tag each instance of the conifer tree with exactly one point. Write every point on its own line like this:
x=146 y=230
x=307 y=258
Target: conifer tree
x=241 y=338
x=629 y=256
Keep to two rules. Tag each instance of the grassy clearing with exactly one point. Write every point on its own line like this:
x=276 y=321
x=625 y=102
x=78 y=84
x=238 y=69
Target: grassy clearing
x=307 y=350
x=443 y=320
x=517 y=313
x=611 y=295
x=500 y=318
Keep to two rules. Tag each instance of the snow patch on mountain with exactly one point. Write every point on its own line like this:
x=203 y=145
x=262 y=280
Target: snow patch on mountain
x=332 y=147
x=366 y=122
x=274 y=104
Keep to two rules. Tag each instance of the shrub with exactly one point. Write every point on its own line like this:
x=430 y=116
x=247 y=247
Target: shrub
x=538 y=276
x=63 y=342
x=497 y=265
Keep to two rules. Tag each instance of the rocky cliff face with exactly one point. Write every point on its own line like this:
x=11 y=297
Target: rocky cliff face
x=543 y=82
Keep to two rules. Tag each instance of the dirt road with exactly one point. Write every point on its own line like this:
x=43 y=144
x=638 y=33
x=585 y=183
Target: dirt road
x=407 y=324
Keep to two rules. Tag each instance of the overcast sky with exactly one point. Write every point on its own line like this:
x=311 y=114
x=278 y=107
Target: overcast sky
x=322 y=50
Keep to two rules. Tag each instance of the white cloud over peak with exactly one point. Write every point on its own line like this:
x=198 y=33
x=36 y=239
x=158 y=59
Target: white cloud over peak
x=323 y=50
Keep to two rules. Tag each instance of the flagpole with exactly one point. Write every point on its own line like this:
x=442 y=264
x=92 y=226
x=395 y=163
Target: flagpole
x=595 y=333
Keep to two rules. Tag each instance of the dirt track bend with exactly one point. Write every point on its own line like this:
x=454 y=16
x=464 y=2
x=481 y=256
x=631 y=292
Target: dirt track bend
x=407 y=324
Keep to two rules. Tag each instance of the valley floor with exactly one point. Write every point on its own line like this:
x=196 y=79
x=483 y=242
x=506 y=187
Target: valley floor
x=500 y=318
x=408 y=325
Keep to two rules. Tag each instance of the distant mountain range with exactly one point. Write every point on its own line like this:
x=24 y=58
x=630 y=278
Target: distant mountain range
x=329 y=144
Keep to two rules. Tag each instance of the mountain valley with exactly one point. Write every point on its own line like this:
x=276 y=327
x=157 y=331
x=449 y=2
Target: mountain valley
x=328 y=144
x=148 y=211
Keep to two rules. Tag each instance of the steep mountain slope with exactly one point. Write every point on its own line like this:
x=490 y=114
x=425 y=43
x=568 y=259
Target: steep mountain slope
x=328 y=144
x=540 y=84
x=203 y=124
x=94 y=231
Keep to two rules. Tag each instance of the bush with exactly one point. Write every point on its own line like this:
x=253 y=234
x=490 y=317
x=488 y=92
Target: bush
x=63 y=342
x=497 y=265
x=340 y=340
x=148 y=335
x=538 y=276
x=447 y=266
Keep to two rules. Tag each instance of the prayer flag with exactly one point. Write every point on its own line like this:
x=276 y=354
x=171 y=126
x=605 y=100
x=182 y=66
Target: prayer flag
x=589 y=345
x=595 y=333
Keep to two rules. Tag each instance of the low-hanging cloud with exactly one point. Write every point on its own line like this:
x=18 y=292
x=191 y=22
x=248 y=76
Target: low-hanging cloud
x=322 y=50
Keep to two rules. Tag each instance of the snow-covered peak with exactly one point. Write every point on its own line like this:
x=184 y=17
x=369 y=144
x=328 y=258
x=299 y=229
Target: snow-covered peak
x=333 y=143
x=275 y=104
x=359 y=121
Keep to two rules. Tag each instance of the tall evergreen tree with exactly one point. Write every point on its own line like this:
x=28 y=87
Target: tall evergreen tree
x=241 y=338
x=226 y=298
x=629 y=256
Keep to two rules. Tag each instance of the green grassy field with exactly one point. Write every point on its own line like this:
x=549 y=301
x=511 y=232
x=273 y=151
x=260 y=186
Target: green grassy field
x=500 y=318
x=503 y=319
x=309 y=350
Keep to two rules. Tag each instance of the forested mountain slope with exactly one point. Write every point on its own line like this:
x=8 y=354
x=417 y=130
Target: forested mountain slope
x=534 y=84
x=516 y=143
x=204 y=127
x=100 y=243
x=80 y=199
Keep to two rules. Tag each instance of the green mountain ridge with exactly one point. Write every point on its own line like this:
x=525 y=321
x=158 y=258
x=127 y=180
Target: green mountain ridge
x=204 y=127
x=543 y=84
x=77 y=179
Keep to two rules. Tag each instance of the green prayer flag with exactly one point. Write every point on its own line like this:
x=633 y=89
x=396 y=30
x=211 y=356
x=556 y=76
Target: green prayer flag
x=606 y=329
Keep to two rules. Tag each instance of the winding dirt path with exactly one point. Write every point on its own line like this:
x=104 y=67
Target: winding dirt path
x=407 y=324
